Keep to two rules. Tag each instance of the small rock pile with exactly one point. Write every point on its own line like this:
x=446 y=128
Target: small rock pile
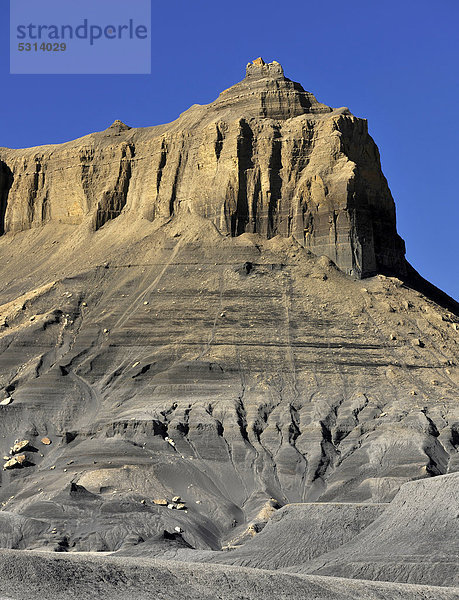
x=20 y=460
x=17 y=458
x=175 y=504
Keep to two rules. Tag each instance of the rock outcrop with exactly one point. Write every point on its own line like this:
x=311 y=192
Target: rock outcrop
x=265 y=157
x=164 y=323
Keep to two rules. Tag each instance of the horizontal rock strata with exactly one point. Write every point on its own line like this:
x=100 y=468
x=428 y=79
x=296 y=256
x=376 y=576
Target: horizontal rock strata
x=265 y=157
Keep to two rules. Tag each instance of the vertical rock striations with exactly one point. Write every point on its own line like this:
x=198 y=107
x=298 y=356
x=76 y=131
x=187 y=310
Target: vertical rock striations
x=264 y=157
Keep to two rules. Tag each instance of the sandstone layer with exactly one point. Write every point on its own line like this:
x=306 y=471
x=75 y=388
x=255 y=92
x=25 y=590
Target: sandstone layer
x=265 y=157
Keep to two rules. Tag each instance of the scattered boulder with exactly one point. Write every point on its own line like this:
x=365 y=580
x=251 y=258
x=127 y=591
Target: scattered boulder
x=20 y=446
x=18 y=461
x=176 y=499
x=6 y=401
x=160 y=501
x=418 y=342
x=46 y=441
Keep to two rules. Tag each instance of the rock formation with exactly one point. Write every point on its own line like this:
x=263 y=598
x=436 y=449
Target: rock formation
x=265 y=157
x=187 y=347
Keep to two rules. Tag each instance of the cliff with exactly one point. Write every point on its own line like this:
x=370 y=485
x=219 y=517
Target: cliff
x=265 y=157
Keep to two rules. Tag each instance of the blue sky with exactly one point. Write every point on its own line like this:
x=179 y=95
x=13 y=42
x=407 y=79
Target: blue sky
x=392 y=62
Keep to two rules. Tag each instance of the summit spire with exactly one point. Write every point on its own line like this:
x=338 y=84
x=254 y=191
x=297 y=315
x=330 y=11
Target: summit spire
x=259 y=68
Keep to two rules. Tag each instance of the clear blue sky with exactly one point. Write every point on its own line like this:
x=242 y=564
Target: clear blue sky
x=393 y=62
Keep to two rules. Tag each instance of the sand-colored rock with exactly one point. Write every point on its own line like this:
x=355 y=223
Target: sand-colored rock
x=265 y=157
x=19 y=446
x=160 y=501
x=17 y=461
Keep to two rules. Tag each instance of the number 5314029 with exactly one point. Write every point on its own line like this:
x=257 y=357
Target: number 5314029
x=43 y=47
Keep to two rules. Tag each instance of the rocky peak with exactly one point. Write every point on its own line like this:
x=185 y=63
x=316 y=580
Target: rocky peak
x=117 y=127
x=259 y=69
x=266 y=92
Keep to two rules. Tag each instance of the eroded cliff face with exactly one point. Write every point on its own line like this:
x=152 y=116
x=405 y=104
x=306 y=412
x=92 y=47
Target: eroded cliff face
x=265 y=157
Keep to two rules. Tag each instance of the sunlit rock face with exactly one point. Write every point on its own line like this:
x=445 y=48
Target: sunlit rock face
x=265 y=157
